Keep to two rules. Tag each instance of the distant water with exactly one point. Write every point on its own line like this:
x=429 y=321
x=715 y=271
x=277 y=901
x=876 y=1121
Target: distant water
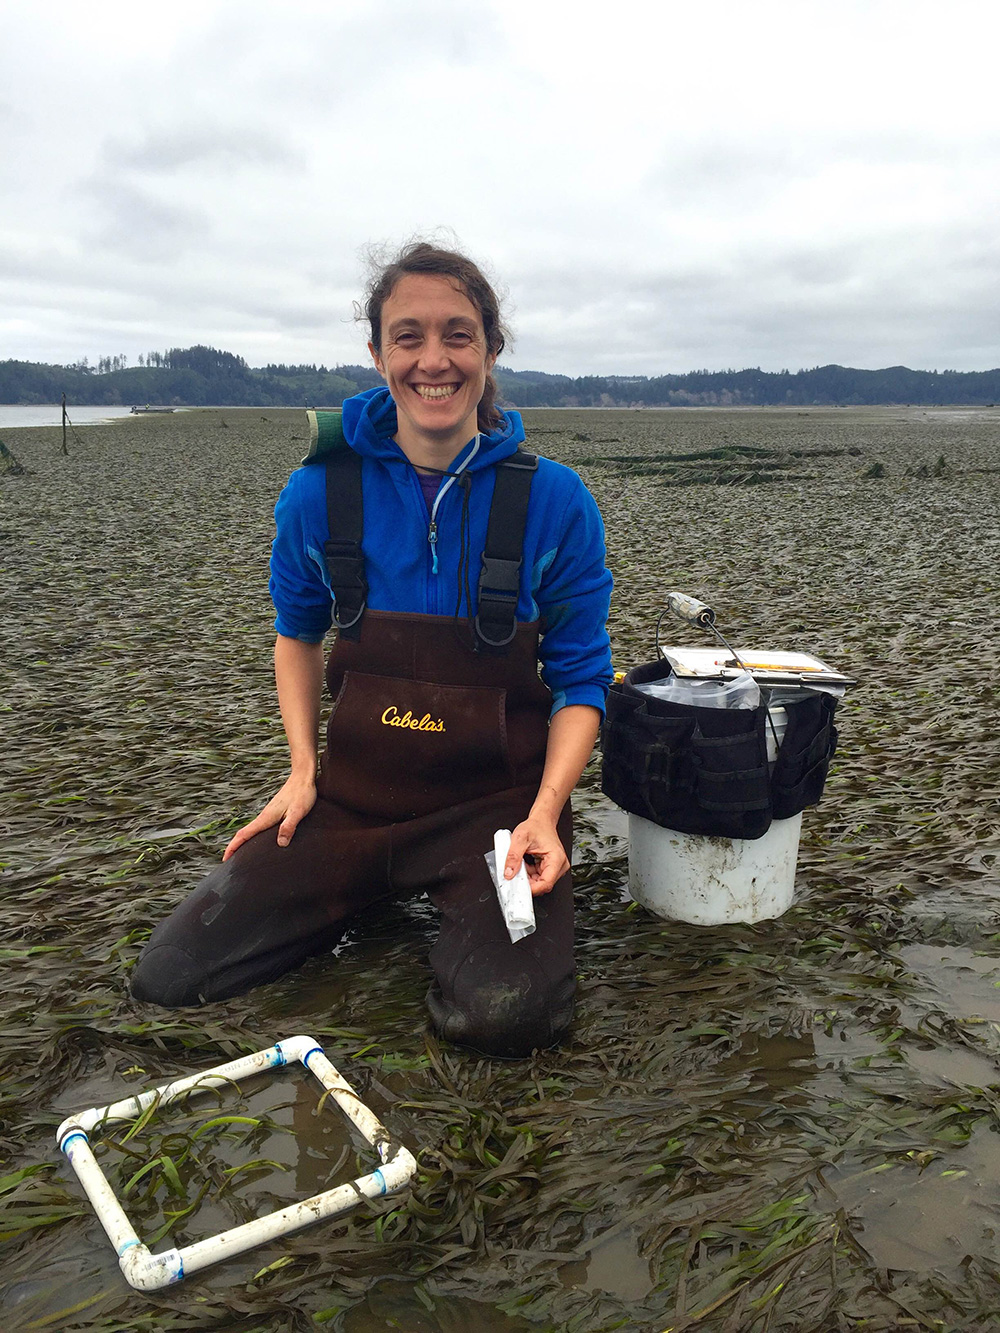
x=50 y=414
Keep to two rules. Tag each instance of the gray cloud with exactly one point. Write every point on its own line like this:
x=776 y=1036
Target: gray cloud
x=716 y=172
x=134 y=222
x=229 y=148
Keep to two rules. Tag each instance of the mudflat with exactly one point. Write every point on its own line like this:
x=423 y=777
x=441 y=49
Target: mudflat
x=788 y=1126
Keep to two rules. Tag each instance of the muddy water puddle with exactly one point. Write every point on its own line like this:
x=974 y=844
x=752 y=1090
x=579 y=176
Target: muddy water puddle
x=964 y=983
x=920 y=1216
x=614 y=1266
x=791 y=1126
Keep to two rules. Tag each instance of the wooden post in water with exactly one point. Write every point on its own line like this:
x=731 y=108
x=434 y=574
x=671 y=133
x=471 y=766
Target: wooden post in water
x=65 y=450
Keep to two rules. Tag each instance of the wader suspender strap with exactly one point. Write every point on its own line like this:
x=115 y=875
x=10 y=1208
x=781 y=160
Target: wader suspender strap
x=499 y=579
x=345 y=562
x=500 y=576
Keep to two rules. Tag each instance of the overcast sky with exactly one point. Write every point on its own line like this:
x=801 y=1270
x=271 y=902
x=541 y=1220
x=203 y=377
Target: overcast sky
x=660 y=186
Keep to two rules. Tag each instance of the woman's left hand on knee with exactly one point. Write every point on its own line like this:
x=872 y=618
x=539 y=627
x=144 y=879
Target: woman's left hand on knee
x=537 y=837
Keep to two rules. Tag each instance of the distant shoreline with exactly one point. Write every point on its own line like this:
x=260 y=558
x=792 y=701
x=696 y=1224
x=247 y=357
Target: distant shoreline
x=203 y=376
x=48 y=416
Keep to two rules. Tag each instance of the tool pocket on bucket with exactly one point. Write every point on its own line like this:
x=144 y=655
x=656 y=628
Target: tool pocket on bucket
x=732 y=787
x=808 y=745
x=400 y=748
x=641 y=754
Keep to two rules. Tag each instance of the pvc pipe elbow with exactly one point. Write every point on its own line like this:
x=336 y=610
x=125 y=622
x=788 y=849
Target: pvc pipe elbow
x=80 y=1123
x=399 y=1170
x=297 y=1048
x=150 y=1272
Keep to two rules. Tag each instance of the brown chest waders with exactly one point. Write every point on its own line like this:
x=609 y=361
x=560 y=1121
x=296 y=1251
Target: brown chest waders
x=431 y=748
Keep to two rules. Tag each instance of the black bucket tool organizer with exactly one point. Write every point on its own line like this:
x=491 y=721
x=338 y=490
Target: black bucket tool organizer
x=705 y=770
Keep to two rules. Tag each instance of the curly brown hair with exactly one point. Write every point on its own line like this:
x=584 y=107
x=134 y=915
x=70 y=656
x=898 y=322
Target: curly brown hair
x=422 y=257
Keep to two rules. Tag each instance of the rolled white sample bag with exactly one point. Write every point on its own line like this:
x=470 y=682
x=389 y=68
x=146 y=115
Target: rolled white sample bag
x=516 y=902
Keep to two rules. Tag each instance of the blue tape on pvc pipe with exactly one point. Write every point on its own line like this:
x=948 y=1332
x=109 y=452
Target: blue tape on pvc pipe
x=279 y=1058
x=315 y=1049
x=127 y=1246
x=76 y=1134
x=381 y=1180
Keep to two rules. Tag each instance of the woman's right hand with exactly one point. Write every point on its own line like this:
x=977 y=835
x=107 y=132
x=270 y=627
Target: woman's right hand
x=290 y=805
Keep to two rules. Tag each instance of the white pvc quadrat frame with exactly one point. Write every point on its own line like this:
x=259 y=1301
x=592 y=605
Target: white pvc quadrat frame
x=147 y=1271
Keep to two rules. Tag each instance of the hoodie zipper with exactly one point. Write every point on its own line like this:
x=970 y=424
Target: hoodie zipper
x=432 y=527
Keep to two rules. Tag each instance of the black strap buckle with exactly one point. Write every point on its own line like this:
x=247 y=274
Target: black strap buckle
x=499 y=586
x=500 y=578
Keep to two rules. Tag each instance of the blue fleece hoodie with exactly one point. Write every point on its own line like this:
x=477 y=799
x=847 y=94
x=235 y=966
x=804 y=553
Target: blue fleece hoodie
x=564 y=582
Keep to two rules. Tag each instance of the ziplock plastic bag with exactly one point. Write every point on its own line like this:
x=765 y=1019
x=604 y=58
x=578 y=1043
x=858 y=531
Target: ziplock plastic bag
x=740 y=692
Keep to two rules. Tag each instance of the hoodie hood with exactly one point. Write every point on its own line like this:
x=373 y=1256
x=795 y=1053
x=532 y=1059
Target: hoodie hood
x=369 y=421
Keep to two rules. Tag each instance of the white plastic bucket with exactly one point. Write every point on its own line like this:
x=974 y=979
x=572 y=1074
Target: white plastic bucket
x=708 y=881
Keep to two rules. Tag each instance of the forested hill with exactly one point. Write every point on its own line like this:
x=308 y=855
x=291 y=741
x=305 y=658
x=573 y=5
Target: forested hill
x=182 y=377
x=823 y=386
x=203 y=376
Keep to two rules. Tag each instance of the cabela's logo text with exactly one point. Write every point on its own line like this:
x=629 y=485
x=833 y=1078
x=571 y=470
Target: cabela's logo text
x=392 y=718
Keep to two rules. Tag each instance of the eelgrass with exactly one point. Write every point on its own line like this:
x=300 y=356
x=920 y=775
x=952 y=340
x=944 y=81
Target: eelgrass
x=742 y=1105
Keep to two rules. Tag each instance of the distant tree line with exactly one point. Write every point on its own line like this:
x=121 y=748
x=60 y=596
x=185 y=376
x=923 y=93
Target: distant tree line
x=838 y=386
x=204 y=376
x=183 y=377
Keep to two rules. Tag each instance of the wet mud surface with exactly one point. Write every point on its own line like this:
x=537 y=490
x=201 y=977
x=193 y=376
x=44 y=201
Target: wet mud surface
x=793 y=1126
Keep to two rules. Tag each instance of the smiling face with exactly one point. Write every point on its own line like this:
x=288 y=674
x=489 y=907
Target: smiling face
x=435 y=361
